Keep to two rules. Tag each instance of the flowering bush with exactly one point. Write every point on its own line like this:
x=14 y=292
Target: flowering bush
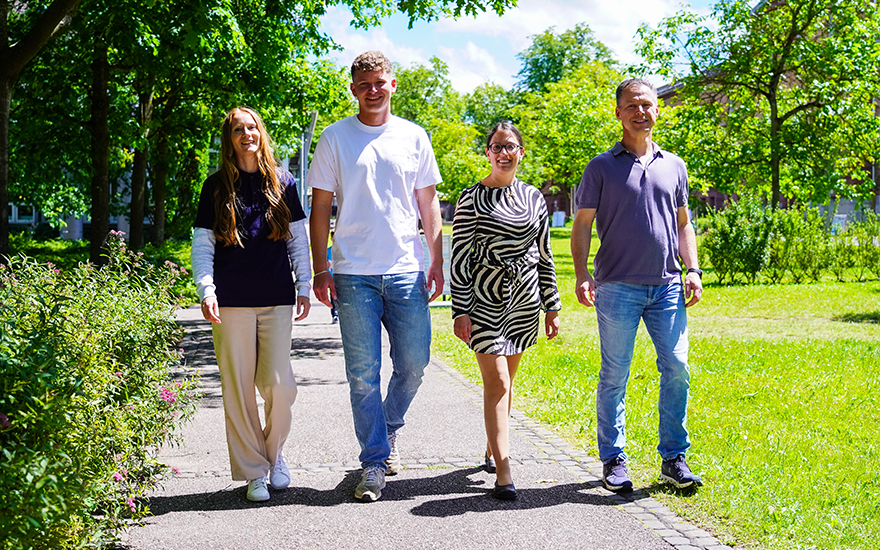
x=86 y=396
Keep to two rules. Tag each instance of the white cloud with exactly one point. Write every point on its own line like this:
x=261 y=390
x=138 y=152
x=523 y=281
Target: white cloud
x=471 y=66
x=356 y=42
x=613 y=24
x=483 y=48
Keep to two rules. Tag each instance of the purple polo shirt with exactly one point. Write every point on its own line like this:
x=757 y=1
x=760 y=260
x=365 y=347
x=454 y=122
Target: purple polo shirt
x=258 y=274
x=636 y=215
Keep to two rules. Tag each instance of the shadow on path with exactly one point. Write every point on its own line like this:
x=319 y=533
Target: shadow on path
x=471 y=494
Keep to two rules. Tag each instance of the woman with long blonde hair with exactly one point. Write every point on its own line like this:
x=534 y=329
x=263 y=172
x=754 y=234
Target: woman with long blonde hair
x=248 y=236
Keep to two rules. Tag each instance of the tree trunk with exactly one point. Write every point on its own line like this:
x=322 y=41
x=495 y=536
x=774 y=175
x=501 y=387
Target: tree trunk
x=139 y=170
x=160 y=177
x=138 y=184
x=13 y=58
x=6 y=84
x=774 y=153
x=100 y=153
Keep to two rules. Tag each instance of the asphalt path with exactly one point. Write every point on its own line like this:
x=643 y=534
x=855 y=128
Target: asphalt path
x=439 y=500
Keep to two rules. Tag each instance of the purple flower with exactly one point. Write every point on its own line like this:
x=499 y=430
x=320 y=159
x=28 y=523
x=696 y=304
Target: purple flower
x=175 y=470
x=118 y=477
x=131 y=505
x=4 y=421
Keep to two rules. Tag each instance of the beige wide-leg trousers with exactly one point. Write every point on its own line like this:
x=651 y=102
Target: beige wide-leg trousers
x=252 y=346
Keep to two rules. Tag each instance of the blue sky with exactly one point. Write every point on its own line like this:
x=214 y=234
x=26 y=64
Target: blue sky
x=484 y=48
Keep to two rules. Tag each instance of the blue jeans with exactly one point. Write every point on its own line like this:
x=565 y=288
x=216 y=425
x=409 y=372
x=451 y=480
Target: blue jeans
x=619 y=306
x=365 y=303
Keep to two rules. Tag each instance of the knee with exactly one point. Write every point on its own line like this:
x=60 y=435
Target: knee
x=363 y=381
x=495 y=388
x=411 y=379
x=613 y=377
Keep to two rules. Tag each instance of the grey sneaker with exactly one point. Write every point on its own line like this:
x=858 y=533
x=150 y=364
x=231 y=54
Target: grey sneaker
x=279 y=476
x=257 y=491
x=614 y=475
x=371 y=485
x=392 y=463
x=677 y=472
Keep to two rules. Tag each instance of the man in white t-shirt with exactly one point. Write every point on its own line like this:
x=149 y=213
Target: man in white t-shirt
x=384 y=174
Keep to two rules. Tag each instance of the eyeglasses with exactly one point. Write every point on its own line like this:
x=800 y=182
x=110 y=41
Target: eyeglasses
x=509 y=147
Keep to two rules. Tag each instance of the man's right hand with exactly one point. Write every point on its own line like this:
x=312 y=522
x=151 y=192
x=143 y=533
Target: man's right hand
x=585 y=289
x=324 y=288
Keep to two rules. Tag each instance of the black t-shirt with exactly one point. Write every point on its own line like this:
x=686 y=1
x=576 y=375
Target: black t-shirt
x=258 y=275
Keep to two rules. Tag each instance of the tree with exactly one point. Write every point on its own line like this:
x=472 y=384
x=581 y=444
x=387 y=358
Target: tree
x=569 y=124
x=425 y=96
x=163 y=62
x=425 y=93
x=552 y=57
x=782 y=93
x=489 y=103
x=25 y=27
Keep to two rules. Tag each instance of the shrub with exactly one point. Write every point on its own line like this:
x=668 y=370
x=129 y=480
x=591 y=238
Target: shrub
x=798 y=246
x=868 y=251
x=782 y=242
x=736 y=240
x=68 y=254
x=86 y=396
x=812 y=250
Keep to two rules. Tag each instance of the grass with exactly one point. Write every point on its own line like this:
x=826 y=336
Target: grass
x=784 y=415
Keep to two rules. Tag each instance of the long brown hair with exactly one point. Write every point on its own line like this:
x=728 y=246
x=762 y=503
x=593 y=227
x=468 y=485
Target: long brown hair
x=277 y=215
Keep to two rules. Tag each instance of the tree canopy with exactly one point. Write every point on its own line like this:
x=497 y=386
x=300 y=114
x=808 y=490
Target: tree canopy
x=778 y=99
x=136 y=89
x=551 y=57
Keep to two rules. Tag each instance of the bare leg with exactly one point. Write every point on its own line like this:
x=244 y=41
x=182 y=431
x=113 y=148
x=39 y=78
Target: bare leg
x=498 y=372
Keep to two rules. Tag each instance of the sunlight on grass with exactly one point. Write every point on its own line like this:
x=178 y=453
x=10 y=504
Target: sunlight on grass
x=784 y=416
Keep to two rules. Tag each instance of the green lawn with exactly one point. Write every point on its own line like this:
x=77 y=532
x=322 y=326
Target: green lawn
x=784 y=418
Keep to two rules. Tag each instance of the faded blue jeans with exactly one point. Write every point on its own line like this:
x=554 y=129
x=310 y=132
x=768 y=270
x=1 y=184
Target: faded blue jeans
x=619 y=307
x=366 y=303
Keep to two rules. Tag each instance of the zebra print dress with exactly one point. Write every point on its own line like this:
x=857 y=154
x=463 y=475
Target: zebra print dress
x=502 y=269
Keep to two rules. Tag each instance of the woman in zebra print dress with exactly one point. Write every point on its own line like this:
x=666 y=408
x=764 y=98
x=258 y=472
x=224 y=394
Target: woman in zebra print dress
x=502 y=277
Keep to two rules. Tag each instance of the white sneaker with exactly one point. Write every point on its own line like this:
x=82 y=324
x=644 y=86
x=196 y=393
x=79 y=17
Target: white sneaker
x=371 y=485
x=279 y=477
x=392 y=463
x=257 y=490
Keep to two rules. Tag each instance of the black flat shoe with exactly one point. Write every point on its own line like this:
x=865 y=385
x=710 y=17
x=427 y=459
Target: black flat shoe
x=489 y=464
x=504 y=492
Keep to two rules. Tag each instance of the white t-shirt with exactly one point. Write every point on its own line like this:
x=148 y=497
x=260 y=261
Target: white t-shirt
x=374 y=171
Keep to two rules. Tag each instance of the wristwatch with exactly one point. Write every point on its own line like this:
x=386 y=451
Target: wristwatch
x=699 y=272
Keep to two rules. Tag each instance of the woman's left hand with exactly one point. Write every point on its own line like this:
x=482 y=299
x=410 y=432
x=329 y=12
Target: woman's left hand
x=303 y=305
x=551 y=324
x=462 y=328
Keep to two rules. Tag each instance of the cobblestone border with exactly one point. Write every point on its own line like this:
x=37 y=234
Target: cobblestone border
x=551 y=449
x=639 y=504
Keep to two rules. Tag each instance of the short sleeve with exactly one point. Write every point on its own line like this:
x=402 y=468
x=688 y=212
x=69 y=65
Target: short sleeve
x=590 y=188
x=291 y=196
x=681 y=193
x=322 y=172
x=205 y=210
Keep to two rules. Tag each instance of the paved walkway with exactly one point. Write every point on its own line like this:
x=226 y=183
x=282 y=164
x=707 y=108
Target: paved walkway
x=440 y=499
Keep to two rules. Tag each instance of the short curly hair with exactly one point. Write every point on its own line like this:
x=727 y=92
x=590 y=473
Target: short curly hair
x=371 y=61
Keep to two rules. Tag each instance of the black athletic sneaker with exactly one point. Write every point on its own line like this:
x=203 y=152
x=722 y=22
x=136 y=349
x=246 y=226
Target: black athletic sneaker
x=615 y=476
x=676 y=472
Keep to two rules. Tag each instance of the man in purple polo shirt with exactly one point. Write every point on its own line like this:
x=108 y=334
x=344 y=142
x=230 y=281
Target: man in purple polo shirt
x=637 y=194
